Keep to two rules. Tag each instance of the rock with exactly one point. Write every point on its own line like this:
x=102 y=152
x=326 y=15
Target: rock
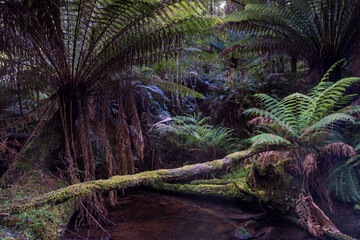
x=242 y=233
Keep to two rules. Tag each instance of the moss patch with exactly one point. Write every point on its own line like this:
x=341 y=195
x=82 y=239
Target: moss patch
x=43 y=223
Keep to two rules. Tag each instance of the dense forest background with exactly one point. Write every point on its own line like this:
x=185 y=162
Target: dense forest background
x=96 y=89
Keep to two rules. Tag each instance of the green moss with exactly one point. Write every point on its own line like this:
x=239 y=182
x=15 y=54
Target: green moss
x=334 y=236
x=240 y=172
x=242 y=233
x=228 y=191
x=214 y=181
x=44 y=223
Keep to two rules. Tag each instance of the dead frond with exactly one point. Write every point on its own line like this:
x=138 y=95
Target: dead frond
x=306 y=218
x=309 y=164
x=260 y=121
x=338 y=149
x=266 y=158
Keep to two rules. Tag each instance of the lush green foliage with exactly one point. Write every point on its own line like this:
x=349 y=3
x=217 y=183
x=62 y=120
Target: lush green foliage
x=192 y=133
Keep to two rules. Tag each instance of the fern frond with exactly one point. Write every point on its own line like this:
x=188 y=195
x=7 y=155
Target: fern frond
x=332 y=68
x=344 y=181
x=328 y=98
x=176 y=88
x=266 y=139
x=281 y=124
x=328 y=121
x=339 y=149
x=299 y=28
x=296 y=110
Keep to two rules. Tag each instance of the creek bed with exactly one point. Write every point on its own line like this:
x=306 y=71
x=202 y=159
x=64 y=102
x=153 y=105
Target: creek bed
x=152 y=216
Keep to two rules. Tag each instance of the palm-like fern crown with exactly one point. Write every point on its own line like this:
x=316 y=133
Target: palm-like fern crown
x=300 y=117
x=80 y=42
x=321 y=32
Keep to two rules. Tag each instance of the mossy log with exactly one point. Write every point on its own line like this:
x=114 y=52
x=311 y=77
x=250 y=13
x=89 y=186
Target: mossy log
x=121 y=182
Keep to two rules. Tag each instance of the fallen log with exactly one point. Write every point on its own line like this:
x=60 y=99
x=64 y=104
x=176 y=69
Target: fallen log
x=121 y=182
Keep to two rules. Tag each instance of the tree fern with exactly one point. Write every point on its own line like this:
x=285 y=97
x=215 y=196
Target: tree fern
x=320 y=32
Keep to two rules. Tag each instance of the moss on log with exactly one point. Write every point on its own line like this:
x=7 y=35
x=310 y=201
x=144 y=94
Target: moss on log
x=227 y=191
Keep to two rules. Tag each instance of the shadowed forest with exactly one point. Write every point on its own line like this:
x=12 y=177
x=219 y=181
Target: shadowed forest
x=171 y=119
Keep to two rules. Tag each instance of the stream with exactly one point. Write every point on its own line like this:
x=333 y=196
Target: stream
x=146 y=215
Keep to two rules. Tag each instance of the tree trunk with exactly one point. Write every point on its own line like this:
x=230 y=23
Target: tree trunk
x=356 y=56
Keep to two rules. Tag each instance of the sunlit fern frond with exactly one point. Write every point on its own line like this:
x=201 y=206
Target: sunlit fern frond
x=173 y=87
x=326 y=101
x=332 y=68
x=295 y=110
x=271 y=105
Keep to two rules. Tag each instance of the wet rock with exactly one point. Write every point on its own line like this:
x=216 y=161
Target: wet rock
x=172 y=209
x=242 y=233
x=252 y=224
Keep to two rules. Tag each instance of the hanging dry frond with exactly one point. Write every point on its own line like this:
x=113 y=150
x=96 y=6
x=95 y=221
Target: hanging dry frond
x=260 y=121
x=309 y=163
x=266 y=158
x=306 y=218
x=339 y=149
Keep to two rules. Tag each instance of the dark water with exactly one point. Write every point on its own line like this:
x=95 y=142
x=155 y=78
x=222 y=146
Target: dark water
x=151 y=216
x=345 y=219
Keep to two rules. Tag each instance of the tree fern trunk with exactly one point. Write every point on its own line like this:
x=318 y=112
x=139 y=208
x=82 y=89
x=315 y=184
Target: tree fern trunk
x=137 y=136
x=356 y=56
x=123 y=155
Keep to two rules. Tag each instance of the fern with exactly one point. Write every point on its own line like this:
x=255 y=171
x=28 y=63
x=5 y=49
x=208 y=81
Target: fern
x=268 y=139
x=191 y=131
x=344 y=181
